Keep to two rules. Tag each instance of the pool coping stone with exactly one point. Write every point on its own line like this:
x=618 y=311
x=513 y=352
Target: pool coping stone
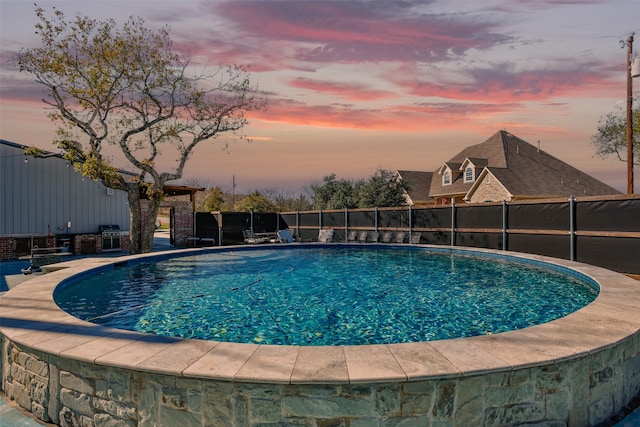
x=31 y=318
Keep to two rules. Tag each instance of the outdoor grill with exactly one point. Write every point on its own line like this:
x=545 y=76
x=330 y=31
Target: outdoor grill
x=110 y=237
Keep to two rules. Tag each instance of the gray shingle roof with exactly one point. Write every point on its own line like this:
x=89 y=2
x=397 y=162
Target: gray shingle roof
x=419 y=183
x=533 y=172
x=478 y=162
x=522 y=168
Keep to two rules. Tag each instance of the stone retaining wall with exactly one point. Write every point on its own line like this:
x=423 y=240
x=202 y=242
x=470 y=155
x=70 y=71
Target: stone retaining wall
x=584 y=391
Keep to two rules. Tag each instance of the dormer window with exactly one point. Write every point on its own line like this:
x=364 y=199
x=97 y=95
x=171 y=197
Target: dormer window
x=450 y=172
x=469 y=175
x=446 y=178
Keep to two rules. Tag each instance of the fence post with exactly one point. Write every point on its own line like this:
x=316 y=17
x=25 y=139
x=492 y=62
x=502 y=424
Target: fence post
x=572 y=228
x=375 y=220
x=453 y=223
x=410 y=223
x=319 y=220
x=298 y=225
x=251 y=216
x=194 y=231
x=346 y=224
x=505 y=235
x=219 y=228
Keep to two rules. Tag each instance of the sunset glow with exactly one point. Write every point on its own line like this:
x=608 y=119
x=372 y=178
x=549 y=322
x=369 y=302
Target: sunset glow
x=358 y=85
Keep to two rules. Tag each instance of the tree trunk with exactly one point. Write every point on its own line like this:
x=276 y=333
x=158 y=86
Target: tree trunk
x=143 y=220
x=149 y=224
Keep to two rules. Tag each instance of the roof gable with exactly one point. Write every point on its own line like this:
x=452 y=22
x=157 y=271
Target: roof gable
x=482 y=179
x=453 y=167
x=476 y=162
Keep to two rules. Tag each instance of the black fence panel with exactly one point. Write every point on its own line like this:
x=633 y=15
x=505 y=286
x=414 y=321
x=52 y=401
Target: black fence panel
x=235 y=221
x=281 y=224
x=265 y=222
x=618 y=254
x=393 y=219
x=432 y=218
x=288 y=220
x=547 y=216
x=362 y=219
x=549 y=245
x=206 y=226
x=607 y=231
x=332 y=219
x=232 y=237
x=308 y=235
x=309 y=219
x=479 y=217
x=435 y=237
x=608 y=215
x=233 y=224
x=479 y=240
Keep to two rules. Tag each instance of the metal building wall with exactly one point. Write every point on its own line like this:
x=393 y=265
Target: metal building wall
x=43 y=195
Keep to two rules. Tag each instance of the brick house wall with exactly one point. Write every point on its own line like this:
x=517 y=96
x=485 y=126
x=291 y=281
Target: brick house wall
x=489 y=190
x=6 y=248
x=13 y=247
x=183 y=221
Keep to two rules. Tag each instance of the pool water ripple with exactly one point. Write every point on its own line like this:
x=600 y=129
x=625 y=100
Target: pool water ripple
x=326 y=296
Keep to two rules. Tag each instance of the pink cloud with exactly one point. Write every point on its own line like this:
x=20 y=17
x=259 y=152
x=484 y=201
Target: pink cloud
x=538 y=3
x=424 y=117
x=502 y=84
x=357 y=31
x=351 y=91
x=22 y=91
x=221 y=51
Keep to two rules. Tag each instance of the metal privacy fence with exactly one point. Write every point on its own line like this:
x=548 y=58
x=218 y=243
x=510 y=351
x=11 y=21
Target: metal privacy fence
x=603 y=231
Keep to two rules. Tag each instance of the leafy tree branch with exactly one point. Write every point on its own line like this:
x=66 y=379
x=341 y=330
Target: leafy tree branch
x=124 y=86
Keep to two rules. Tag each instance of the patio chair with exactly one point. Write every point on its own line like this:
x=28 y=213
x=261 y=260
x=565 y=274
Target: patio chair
x=250 y=237
x=373 y=236
x=285 y=236
x=325 y=235
x=362 y=236
x=399 y=237
x=352 y=236
x=387 y=237
x=415 y=237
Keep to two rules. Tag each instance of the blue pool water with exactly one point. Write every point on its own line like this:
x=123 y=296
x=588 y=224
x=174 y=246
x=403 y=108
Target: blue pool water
x=327 y=295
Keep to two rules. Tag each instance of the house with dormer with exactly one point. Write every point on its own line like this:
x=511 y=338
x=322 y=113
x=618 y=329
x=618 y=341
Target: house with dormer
x=504 y=167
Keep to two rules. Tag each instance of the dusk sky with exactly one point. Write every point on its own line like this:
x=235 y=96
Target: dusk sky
x=354 y=86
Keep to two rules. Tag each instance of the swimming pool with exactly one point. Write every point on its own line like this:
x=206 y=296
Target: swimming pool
x=340 y=295
x=577 y=370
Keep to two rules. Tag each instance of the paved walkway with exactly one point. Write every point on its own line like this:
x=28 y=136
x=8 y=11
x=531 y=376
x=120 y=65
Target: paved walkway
x=11 y=270
x=12 y=416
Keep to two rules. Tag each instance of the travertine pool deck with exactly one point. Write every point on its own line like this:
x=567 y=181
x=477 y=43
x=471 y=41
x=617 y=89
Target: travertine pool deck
x=595 y=351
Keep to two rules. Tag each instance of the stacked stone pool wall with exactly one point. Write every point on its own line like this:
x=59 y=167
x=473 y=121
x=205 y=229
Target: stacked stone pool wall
x=576 y=371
